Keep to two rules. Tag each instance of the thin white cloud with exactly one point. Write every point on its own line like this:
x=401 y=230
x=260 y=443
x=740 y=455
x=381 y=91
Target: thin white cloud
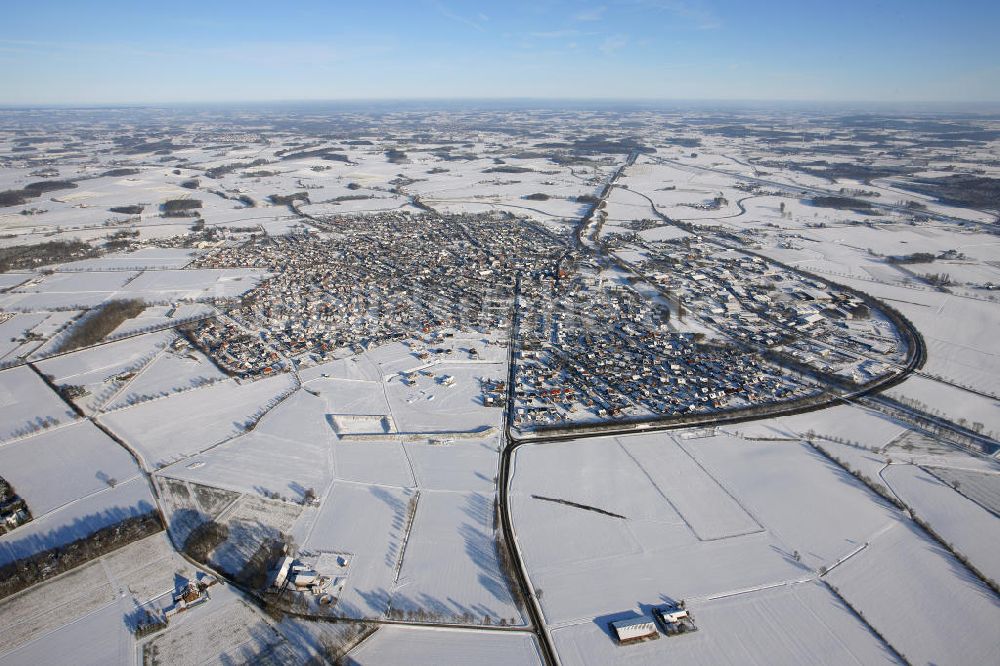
x=71 y=48
x=448 y=14
x=696 y=12
x=613 y=44
x=591 y=14
x=555 y=34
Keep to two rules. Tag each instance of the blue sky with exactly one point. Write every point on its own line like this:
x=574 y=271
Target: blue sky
x=71 y=51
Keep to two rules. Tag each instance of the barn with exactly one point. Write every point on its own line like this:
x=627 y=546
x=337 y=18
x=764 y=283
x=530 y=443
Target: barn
x=634 y=629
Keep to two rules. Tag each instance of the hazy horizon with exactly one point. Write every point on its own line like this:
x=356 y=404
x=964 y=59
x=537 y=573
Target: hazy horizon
x=568 y=104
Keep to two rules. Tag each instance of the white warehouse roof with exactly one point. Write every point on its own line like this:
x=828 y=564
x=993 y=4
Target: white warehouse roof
x=633 y=628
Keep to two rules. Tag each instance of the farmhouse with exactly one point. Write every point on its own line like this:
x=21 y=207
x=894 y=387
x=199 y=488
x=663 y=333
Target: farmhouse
x=675 y=619
x=289 y=573
x=191 y=594
x=13 y=509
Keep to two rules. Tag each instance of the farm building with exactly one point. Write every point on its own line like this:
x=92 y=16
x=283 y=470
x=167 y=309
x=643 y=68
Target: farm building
x=302 y=577
x=675 y=619
x=672 y=614
x=279 y=574
x=634 y=629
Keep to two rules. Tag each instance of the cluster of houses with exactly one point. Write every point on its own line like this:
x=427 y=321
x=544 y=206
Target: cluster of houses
x=192 y=593
x=380 y=278
x=595 y=348
x=494 y=392
x=235 y=349
x=714 y=203
x=767 y=305
x=13 y=509
x=592 y=343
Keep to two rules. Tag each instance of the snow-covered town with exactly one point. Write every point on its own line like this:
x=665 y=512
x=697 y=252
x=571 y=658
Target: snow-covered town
x=555 y=383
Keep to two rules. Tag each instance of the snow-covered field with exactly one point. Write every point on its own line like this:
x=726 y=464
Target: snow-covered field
x=173 y=285
x=13 y=330
x=846 y=422
x=955 y=403
x=431 y=406
x=589 y=564
x=31 y=614
x=377 y=463
x=225 y=630
x=102 y=370
x=706 y=506
x=968 y=355
x=419 y=646
x=99 y=637
x=980 y=486
x=793 y=624
x=370 y=384
x=78 y=519
x=368 y=522
x=150 y=258
x=763 y=475
x=168 y=429
x=921 y=599
x=168 y=373
x=28 y=406
x=971 y=530
x=460 y=466
x=83 y=459
x=286 y=453
x=456 y=528
x=95 y=601
x=593 y=568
